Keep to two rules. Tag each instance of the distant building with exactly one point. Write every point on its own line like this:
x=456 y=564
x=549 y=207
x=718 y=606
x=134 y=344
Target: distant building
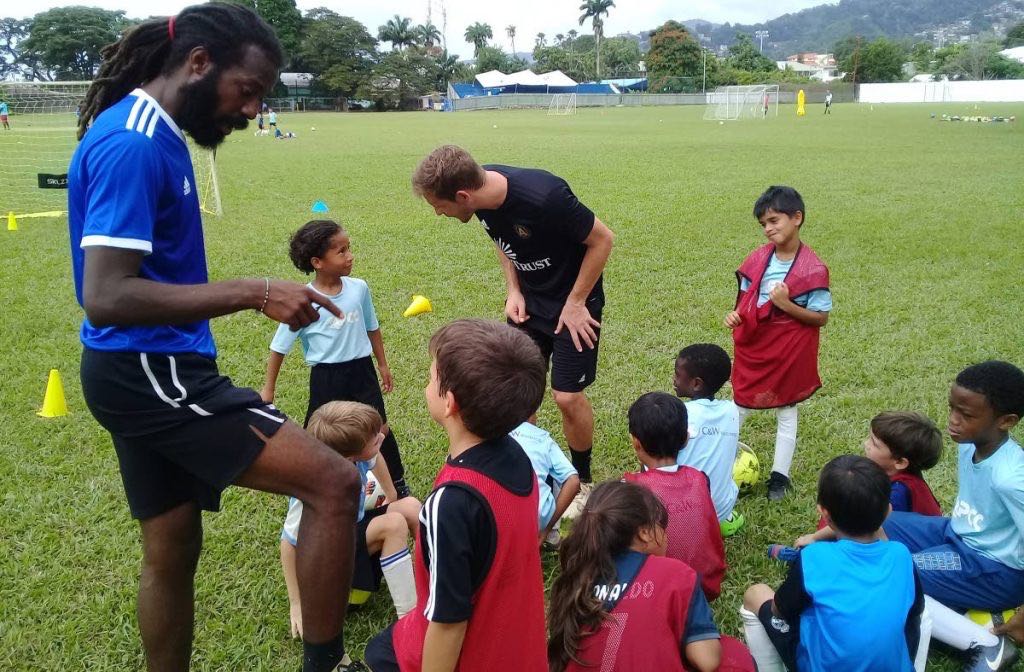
x=813 y=65
x=1014 y=54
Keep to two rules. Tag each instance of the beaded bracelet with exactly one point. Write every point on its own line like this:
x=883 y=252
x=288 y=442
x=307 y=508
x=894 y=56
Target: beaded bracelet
x=266 y=295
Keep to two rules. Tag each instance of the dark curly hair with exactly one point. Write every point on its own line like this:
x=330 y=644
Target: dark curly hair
x=312 y=240
x=708 y=362
x=1001 y=383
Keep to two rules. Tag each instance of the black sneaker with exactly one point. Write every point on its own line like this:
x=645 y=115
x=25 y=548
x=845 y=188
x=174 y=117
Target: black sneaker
x=778 y=484
x=401 y=489
x=1000 y=656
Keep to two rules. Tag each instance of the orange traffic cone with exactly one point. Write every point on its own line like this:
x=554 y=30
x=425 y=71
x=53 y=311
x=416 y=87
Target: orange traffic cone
x=54 y=403
x=420 y=304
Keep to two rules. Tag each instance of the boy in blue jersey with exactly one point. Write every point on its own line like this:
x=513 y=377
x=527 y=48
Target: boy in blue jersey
x=182 y=431
x=851 y=605
x=700 y=372
x=555 y=473
x=975 y=558
x=3 y=116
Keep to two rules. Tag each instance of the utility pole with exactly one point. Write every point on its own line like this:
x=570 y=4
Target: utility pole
x=761 y=35
x=704 y=83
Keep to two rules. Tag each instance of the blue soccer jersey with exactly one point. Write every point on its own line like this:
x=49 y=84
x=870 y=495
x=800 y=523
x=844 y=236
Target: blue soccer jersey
x=131 y=186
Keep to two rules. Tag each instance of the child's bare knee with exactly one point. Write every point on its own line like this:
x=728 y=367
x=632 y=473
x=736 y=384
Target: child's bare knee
x=756 y=595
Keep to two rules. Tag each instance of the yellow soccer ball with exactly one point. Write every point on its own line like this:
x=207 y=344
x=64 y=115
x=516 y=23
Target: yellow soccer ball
x=985 y=618
x=746 y=471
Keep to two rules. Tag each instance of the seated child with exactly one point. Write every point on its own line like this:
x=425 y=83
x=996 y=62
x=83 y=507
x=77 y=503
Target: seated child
x=701 y=370
x=480 y=589
x=854 y=604
x=903 y=444
x=975 y=558
x=382 y=534
x=658 y=428
x=614 y=574
x=555 y=473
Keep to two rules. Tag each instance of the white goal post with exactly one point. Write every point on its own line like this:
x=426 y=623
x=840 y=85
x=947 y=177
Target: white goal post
x=731 y=103
x=562 y=104
x=36 y=151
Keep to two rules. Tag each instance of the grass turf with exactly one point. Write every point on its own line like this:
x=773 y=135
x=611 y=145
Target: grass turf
x=919 y=221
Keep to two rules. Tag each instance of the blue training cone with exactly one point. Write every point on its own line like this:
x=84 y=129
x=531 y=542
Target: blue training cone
x=320 y=206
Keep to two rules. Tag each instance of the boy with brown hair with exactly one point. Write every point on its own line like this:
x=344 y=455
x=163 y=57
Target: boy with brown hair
x=354 y=430
x=477 y=557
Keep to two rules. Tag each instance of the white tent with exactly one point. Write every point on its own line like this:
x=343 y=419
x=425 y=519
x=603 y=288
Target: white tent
x=1015 y=53
x=495 y=79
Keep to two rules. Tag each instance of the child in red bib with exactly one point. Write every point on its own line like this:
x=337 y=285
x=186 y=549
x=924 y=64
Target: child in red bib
x=658 y=430
x=619 y=604
x=480 y=590
x=782 y=304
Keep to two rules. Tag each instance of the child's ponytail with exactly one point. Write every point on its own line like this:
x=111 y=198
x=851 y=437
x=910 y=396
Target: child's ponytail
x=611 y=520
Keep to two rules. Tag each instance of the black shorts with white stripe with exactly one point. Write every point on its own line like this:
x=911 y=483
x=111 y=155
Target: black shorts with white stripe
x=181 y=430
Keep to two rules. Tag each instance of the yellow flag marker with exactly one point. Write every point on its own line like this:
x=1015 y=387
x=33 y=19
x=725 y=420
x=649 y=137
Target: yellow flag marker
x=420 y=304
x=54 y=403
x=12 y=222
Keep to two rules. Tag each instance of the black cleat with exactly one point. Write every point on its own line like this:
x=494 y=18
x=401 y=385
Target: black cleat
x=778 y=484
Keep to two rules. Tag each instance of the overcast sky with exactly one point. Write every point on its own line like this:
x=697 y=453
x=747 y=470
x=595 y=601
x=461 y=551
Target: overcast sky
x=528 y=16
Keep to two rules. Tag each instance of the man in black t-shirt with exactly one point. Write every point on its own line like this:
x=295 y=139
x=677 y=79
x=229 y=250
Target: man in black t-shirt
x=553 y=251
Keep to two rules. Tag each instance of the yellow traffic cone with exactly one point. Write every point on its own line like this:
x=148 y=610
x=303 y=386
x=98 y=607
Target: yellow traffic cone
x=420 y=304
x=54 y=403
x=12 y=222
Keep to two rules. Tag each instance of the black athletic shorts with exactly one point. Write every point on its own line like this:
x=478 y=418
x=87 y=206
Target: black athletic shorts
x=181 y=430
x=380 y=652
x=785 y=636
x=571 y=370
x=367 y=574
x=355 y=380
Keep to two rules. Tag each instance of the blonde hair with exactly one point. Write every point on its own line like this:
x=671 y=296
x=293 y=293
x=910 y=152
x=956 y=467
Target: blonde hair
x=446 y=171
x=345 y=426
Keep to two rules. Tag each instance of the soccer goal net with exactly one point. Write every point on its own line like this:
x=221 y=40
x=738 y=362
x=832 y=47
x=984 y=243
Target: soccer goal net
x=562 y=104
x=729 y=103
x=36 y=149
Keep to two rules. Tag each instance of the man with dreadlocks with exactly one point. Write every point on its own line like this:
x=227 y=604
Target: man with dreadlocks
x=183 y=432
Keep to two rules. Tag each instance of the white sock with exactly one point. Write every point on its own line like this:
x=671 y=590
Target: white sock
x=921 y=659
x=398 y=574
x=955 y=629
x=761 y=648
x=744 y=414
x=785 y=439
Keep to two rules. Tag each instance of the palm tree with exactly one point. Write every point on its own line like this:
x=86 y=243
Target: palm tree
x=398 y=31
x=511 y=32
x=593 y=9
x=541 y=40
x=559 y=38
x=428 y=35
x=478 y=34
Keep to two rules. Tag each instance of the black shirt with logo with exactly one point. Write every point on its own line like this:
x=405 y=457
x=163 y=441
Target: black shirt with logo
x=541 y=227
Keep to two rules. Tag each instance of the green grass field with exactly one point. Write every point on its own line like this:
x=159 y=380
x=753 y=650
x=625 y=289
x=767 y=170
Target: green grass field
x=919 y=221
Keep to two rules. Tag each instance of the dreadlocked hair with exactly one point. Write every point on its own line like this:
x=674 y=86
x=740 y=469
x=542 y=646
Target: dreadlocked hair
x=613 y=516
x=148 y=50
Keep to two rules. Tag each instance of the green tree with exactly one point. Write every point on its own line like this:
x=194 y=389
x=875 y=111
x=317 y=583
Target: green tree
x=449 y=69
x=283 y=16
x=593 y=10
x=477 y=35
x=338 y=51
x=15 y=61
x=1015 y=36
x=744 y=55
x=492 y=58
x=398 y=78
x=620 y=55
x=881 y=60
x=921 y=55
x=66 y=41
x=427 y=34
x=510 y=30
x=541 y=40
x=674 y=54
x=578 y=65
x=977 y=60
x=398 y=31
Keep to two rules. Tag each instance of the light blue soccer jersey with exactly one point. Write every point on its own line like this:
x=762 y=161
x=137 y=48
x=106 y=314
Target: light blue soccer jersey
x=131 y=186
x=989 y=510
x=290 y=529
x=819 y=300
x=3 y=108
x=714 y=433
x=331 y=339
x=547 y=460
